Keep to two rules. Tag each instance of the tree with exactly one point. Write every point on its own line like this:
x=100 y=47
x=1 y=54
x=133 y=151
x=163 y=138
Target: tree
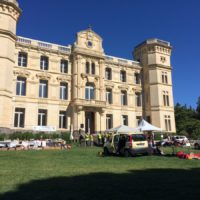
x=198 y=108
x=187 y=122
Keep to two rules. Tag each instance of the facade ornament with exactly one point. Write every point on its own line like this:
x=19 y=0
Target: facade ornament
x=23 y=73
x=123 y=87
x=44 y=76
x=63 y=78
x=109 y=85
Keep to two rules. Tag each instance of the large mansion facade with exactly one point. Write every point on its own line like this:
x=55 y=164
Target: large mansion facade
x=62 y=88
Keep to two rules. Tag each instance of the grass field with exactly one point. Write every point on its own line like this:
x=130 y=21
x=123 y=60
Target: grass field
x=80 y=173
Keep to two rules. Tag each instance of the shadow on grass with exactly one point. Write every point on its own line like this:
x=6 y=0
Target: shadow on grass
x=138 y=184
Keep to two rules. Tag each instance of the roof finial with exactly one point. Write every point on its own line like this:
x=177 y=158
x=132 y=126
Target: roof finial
x=90 y=27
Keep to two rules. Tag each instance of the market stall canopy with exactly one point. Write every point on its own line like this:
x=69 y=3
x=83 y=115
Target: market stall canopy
x=145 y=126
x=122 y=129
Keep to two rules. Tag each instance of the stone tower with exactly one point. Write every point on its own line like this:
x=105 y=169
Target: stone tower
x=9 y=14
x=158 y=107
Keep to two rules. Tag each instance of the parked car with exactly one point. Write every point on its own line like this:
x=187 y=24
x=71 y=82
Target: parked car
x=179 y=138
x=126 y=144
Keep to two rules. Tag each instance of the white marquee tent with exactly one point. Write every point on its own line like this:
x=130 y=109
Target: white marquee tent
x=122 y=129
x=145 y=126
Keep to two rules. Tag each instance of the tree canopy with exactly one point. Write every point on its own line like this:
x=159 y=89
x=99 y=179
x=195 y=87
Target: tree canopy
x=188 y=120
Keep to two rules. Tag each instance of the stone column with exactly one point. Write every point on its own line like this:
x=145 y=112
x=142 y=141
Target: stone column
x=101 y=80
x=102 y=120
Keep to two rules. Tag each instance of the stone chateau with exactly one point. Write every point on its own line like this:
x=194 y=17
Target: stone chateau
x=45 y=86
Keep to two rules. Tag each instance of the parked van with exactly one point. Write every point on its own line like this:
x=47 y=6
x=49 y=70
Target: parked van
x=128 y=144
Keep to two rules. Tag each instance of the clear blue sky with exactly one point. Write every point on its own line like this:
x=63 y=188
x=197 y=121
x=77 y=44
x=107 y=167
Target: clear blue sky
x=123 y=24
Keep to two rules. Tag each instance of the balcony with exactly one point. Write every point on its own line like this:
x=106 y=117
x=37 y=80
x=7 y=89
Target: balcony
x=90 y=103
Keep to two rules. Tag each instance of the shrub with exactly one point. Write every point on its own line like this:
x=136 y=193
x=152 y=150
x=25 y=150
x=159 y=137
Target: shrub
x=2 y=137
x=65 y=136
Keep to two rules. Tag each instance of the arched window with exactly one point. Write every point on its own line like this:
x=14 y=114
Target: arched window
x=87 y=68
x=122 y=76
x=93 y=68
x=108 y=74
x=89 y=91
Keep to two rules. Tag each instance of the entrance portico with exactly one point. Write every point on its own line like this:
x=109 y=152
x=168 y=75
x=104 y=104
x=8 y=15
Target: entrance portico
x=89 y=117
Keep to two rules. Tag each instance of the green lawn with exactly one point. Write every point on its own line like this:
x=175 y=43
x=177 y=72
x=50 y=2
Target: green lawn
x=80 y=173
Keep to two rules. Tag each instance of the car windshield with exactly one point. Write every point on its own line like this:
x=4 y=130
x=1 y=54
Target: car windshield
x=138 y=137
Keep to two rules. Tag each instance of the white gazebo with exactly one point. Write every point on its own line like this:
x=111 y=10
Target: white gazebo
x=122 y=129
x=145 y=126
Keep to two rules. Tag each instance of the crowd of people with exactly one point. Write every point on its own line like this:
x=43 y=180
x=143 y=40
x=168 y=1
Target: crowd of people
x=87 y=139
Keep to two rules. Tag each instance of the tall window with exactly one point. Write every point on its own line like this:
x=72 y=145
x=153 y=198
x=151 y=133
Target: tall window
x=93 y=68
x=167 y=123
x=164 y=78
x=138 y=119
x=109 y=121
x=63 y=91
x=109 y=96
x=44 y=63
x=165 y=98
x=108 y=74
x=123 y=98
x=19 y=117
x=64 y=66
x=89 y=91
x=43 y=89
x=62 y=120
x=22 y=59
x=125 y=120
x=138 y=99
x=87 y=68
x=122 y=76
x=137 y=78
x=21 y=86
x=42 y=117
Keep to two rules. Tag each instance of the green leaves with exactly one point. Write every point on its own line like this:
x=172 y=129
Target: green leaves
x=188 y=120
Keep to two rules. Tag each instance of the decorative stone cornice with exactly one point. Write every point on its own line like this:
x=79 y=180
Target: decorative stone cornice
x=154 y=66
x=89 y=76
x=43 y=75
x=22 y=72
x=8 y=33
x=109 y=85
x=63 y=78
x=86 y=52
x=123 y=87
